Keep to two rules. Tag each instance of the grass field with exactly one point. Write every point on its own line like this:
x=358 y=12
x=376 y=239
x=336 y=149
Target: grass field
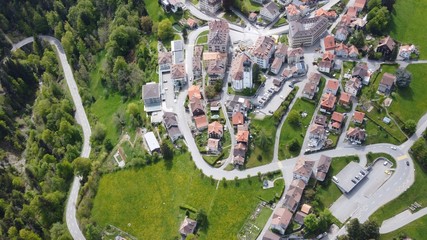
x=107 y=105
x=157 y=13
x=289 y=133
x=372 y=156
x=411 y=103
x=370 y=91
x=146 y=202
x=327 y=192
x=267 y=126
x=403 y=29
x=412 y=230
x=416 y=193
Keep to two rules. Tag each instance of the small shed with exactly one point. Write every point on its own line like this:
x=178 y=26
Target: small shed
x=152 y=143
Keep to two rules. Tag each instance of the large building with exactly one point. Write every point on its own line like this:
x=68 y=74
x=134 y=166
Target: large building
x=262 y=51
x=219 y=36
x=350 y=177
x=270 y=11
x=211 y=6
x=241 y=72
x=305 y=32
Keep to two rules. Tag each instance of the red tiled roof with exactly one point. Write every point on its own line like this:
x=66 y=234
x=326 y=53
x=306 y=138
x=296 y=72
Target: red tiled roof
x=238 y=118
x=358 y=116
x=337 y=117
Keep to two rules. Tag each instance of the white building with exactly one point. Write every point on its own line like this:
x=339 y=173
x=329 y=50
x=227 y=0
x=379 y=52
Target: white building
x=152 y=143
x=241 y=72
x=262 y=51
x=211 y=6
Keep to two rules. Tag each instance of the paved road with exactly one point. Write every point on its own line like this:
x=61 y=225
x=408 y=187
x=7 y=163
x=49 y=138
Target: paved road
x=401 y=220
x=81 y=118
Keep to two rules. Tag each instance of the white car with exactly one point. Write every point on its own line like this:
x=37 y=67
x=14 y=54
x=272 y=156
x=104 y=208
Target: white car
x=394 y=148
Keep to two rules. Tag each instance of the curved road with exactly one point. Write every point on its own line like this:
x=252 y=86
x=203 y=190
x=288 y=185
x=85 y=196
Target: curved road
x=81 y=118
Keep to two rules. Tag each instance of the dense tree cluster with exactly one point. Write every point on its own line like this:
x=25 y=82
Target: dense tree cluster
x=358 y=231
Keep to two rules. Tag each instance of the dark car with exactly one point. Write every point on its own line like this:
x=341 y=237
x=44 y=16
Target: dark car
x=407 y=163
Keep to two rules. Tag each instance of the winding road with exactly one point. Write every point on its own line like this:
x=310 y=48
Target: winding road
x=81 y=118
x=403 y=176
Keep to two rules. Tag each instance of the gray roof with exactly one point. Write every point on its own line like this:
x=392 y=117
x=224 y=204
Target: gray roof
x=152 y=142
x=170 y=119
x=151 y=90
x=307 y=26
x=347 y=177
x=272 y=8
x=177 y=45
x=218 y=32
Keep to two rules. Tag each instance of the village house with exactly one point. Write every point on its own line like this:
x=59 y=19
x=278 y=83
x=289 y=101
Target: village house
x=219 y=36
x=292 y=12
x=321 y=120
x=164 y=61
x=341 y=34
x=210 y=6
x=356 y=135
x=171 y=125
x=196 y=107
x=215 y=130
x=194 y=92
x=330 y=15
x=213 y=146
x=178 y=75
x=329 y=43
x=359 y=5
x=325 y=66
x=327 y=103
x=213 y=56
x=239 y=153
x=299 y=217
x=151 y=97
x=281 y=52
x=310 y=89
x=242 y=136
x=187 y=226
x=276 y=65
x=216 y=70
x=345 y=99
x=361 y=71
x=281 y=219
x=241 y=72
x=332 y=86
x=352 y=12
x=386 y=84
x=317 y=132
x=262 y=51
x=252 y=17
x=303 y=169
x=270 y=12
x=386 y=46
x=294 y=194
x=353 y=52
x=322 y=168
x=261 y=2
x=191 y=23
x=405 y=51
x=341 y=50
x=269 y=235
x=353 y=86
x=358 y=117
x=237 y=119
x=295 y=55
x=307 y=31
x=337 y=119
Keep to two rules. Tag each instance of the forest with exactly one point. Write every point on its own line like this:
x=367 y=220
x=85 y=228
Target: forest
x=40 y=142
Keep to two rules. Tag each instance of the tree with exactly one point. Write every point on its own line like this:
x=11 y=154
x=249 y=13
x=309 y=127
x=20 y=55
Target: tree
x=410 y=127
x=132 y=109
x=293 y=118
x=378 y=20
x=370 y=230
x=358 y=39
x=210 y=92
x=165 y=30
x=354 y=229
x=202 y=219
x=294 y=146
x=263 y=139
x=166 y=151
x=325 y=220
x=99 y=133
x=374 y=3
x=419 y=151
x=146 y=24
x=311 y=222
x=82 y=166
x=389 y=4
x=403 y=78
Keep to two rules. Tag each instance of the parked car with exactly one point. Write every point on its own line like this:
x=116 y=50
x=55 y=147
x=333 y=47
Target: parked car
x=407 y=163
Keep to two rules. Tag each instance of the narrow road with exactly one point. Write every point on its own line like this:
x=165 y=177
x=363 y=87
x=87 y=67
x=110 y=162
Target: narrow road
x=81 y=118
x=401 y=220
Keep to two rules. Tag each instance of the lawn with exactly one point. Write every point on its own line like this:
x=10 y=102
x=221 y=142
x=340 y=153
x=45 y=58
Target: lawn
x=202 y=39
x=370 y=90
x=146 y=202
x=416 y=193
x=411 y=103
x=157 y=13
x=327 y=192
x=374 y=118
x=289 y=132
x=413 y=230
x=282 y=21
x=267 y=126
x=372 y=156
x=403 y=29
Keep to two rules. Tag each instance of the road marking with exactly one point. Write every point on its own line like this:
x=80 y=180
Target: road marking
x=402 y=157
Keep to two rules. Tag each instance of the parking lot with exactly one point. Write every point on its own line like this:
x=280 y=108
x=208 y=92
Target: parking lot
x=167 y=91
x=347 y=204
